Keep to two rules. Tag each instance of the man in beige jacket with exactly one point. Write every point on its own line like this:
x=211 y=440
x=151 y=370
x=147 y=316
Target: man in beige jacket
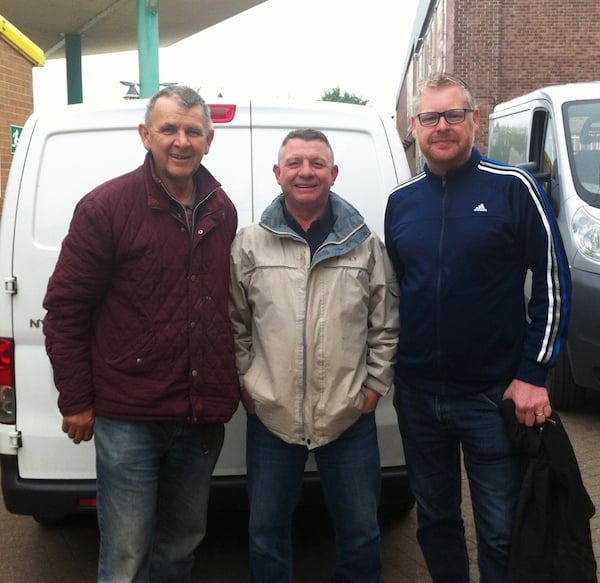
x=316 y=326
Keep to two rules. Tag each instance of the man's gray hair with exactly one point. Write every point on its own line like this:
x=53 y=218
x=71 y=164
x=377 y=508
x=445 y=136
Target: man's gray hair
x=308 y=135
x=186 y=96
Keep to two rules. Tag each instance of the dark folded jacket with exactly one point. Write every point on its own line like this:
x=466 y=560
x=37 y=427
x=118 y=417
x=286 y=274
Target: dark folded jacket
x=551 y=539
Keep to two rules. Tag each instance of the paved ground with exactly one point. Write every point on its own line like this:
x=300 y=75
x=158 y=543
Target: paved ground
x=30 y=553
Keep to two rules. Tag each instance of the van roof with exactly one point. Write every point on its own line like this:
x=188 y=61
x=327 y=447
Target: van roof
x=127 y=106
x=556 y=94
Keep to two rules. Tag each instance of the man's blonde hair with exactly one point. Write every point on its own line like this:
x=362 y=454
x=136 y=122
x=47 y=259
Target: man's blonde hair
x=443 y=79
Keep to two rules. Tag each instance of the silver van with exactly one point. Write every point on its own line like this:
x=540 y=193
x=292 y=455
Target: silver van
x=61 y=156
x=555 y=133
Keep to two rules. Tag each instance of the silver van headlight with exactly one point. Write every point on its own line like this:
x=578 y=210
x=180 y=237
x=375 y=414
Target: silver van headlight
x=586 y=232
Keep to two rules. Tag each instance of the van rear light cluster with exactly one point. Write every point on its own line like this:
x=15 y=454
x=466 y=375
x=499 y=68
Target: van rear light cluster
x=221 y=112
x=7 y=381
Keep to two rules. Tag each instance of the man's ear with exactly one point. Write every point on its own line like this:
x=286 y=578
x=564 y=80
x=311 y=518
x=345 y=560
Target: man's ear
x=413 y=129
x=209 y=139
x=144 y=134
x=476 y=117
x=334 y=173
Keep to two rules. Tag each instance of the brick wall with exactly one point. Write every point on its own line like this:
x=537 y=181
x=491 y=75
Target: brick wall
x=504 y=48
x=16 y=102
x=550 y=42
x=478 y=45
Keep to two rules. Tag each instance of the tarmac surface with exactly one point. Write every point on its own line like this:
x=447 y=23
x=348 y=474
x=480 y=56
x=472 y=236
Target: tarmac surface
x=31 y=553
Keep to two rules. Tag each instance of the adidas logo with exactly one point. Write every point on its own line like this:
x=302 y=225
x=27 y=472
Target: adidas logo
x=480 y=208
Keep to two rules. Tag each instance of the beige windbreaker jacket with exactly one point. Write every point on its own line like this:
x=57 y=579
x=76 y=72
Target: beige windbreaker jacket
x=310 y=335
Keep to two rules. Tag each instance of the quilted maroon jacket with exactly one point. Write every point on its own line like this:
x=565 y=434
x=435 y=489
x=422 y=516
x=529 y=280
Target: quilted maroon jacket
x=137 y=325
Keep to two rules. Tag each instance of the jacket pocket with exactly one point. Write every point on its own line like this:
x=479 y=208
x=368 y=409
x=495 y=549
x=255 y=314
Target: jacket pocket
x=135 y=357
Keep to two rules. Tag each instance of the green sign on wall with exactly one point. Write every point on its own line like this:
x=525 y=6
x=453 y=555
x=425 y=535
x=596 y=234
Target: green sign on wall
x=15 y=133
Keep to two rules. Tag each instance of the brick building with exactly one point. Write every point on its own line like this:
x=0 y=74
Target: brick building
x=18 y=55
x=502 y=48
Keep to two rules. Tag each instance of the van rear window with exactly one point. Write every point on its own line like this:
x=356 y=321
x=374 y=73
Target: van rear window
x=72 y=164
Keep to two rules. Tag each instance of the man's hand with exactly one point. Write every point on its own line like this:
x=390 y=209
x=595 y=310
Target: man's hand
x=79 y=427
x=371 y=400
x=532 y=405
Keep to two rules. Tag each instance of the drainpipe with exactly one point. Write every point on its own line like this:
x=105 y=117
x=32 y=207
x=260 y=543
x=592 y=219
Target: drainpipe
x=147 y=36
x=73 y=62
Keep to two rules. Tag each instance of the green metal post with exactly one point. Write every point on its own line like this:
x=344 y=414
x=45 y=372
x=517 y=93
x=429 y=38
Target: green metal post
x=147 y=34
x=73 y=61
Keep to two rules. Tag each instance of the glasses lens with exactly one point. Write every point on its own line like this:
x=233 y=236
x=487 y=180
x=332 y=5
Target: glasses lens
x=429 y=119
x=454 y=116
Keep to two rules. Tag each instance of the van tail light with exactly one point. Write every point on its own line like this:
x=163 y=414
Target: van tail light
x=221 y=112
x=7 y=381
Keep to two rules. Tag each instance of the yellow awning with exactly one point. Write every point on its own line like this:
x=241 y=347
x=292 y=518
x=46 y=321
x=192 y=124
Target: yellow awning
x=14 y=37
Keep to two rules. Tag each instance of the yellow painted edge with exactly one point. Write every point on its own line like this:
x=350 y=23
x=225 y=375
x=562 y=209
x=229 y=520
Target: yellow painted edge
x=14 y=37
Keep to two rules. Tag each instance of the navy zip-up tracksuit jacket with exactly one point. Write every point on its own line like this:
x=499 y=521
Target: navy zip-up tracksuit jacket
x=461 y=246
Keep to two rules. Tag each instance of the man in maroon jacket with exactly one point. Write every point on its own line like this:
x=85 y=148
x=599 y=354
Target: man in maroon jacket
x=139 y=338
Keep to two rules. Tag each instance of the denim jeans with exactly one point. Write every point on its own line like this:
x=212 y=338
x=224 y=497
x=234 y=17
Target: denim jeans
x=152 y=493
x=434 y=429
x=350 y=477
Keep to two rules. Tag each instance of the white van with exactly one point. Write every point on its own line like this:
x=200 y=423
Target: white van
x=60 y=157
x=555 y=133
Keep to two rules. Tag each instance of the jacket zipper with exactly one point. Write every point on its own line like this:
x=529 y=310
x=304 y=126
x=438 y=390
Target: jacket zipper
x=439 y=273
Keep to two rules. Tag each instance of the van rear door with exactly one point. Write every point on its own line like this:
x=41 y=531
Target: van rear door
x=369 y=151
x=371 y=163
x=68 y=155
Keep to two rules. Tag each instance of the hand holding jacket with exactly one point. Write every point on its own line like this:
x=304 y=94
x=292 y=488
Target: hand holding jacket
x=532 y=405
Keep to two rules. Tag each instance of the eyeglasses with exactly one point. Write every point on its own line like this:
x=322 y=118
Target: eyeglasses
x=430 y=119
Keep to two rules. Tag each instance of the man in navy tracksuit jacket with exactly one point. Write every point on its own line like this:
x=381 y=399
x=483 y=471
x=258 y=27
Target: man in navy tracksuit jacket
x=462 y=235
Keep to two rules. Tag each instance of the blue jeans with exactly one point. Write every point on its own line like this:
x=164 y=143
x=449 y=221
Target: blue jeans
x=433 y=431
x=351 y=482
x=153 y=481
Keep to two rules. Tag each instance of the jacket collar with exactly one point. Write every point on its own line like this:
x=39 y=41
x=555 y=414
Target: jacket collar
x=159 y=197
x=349 y=227
x=454 y=173
x=346 y=217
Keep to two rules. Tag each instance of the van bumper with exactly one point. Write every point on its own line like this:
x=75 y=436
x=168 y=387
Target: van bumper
x=584 y=329
x=396 y=496
x=44 y=499
x=55 y=499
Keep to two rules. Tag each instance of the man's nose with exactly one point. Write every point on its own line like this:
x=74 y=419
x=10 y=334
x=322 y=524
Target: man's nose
x=306 y=167
x=182 y=138
x=442 y=123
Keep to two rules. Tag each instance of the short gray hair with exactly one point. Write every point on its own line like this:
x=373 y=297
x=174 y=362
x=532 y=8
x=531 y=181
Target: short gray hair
x=308 y=135
x=186 y=96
